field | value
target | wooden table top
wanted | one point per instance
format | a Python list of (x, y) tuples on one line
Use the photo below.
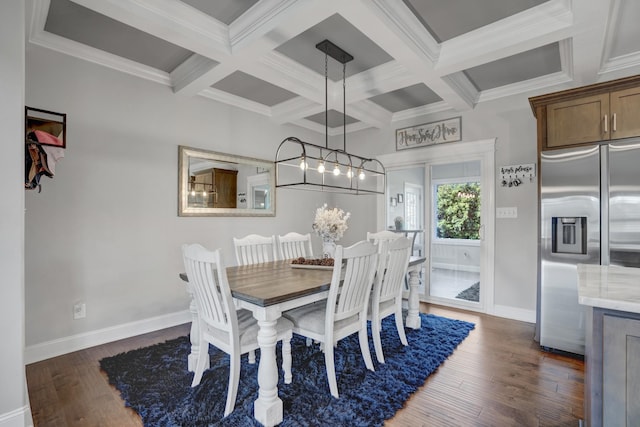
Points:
[(275, 282)]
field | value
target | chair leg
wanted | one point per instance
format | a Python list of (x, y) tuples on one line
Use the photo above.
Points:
[(202, 358), (364, 347), (252, 357), (286, 358), (376, 325), (331, 370), (400, 325), (234, 379)]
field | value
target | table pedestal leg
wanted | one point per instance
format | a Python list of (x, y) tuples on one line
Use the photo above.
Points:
[(413, 316), (193, 335), (267, 409)]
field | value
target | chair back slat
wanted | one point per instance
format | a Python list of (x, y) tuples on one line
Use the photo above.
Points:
[(294, 245), (352, 297), (392, 268), (208, 281), (255, 249)]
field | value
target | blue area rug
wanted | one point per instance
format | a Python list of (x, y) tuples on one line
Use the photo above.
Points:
[(154, 381)]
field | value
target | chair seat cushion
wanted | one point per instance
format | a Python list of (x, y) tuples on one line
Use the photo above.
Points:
[(311, 318), (248, 327)]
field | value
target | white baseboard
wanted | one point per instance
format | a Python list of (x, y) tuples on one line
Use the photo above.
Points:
[(514, 313), (20, 417), (46, 350)]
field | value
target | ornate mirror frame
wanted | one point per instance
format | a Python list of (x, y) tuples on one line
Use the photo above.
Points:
[(250, 171)]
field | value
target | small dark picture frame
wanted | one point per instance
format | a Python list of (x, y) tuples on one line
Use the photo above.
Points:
[(400, 198), (45, 127)]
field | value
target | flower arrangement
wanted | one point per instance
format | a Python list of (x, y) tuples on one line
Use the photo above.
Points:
[(330, 224)]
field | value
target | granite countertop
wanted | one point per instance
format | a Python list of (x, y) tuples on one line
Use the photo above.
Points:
[(612, 287)]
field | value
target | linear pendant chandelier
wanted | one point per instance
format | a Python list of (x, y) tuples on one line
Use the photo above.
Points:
[(306, 166)]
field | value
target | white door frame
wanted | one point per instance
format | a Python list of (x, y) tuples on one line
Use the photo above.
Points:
[(482, 150)]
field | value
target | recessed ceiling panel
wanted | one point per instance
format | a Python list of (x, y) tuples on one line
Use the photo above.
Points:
[(406, 98), (447, 19), (340, 32), (225, 11), (517, 68), (626, 34), (335, 119), (75, 22), (254, 89)]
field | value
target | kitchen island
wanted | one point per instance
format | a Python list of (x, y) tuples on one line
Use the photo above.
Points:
[(612, 353)]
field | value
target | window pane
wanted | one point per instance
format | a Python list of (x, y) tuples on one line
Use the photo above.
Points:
[(458, 210)]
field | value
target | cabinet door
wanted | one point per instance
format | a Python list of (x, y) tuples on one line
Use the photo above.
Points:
[(625, 113), (226, 184), (578, 121), (620, 371)]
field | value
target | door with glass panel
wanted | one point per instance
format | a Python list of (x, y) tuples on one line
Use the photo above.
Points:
[(455, 233)]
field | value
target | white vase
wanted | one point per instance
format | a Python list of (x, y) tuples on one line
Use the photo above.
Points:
[(328, 248)]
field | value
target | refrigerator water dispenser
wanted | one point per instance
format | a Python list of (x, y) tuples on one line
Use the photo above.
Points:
[(569, 235)]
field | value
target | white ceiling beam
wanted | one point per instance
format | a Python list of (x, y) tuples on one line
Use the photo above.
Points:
[(378, 80), (236, 101), (392, 26), (589, 39), (170, 20), (370, 113), (544, 24), (294, 109)]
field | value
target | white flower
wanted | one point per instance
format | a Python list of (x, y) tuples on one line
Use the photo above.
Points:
[(330, 223)]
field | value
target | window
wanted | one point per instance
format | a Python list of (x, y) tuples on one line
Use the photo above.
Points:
[(457, 210)]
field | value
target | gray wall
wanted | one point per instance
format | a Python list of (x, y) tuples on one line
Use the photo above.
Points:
[(105, 229), (14, 410), (511, 121)]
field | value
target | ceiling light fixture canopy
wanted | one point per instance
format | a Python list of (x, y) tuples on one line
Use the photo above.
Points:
[(320, 168)]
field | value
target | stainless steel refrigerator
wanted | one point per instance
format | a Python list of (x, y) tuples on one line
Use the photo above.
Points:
[(590, 214)]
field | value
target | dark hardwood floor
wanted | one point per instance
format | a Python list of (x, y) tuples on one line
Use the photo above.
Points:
[(498, 376)]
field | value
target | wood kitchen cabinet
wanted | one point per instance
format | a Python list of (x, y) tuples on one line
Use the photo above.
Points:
[(220, 186), (585, 115), (612, 377)]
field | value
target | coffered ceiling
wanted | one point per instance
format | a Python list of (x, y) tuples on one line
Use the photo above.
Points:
[(411, 57)]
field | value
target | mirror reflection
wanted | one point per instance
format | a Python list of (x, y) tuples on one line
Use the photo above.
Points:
[(218, 184)]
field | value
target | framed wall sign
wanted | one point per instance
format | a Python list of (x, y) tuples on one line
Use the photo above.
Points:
[(449, 130), (46, 127)]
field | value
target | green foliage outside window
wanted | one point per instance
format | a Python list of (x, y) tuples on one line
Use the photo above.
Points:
[(459, 211)]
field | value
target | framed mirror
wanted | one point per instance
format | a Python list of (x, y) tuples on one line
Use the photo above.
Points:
[(218, 184)]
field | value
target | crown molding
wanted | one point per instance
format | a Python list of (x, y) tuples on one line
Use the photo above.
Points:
[(530, 85), (235, 101), (189, 28)]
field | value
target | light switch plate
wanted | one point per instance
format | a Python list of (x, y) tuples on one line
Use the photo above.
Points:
[(511, 212)]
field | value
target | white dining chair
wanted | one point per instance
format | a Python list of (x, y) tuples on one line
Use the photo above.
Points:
[(345, 310), (382, 236), (295, 245), (255, 249), (233, 331), (386, 297)]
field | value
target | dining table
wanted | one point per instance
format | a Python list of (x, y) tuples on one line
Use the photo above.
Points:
[(267, 290)]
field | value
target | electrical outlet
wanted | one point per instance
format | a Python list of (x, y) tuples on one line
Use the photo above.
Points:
[(79, 310), (507, 212)]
